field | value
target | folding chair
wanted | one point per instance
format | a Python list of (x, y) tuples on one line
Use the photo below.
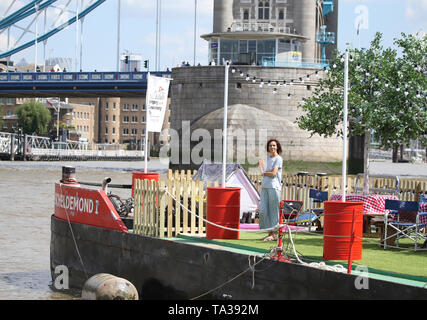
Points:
[(316, 196), (291, 210), (405, 221)]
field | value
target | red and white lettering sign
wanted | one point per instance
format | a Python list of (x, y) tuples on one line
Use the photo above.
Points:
[(86, 206)]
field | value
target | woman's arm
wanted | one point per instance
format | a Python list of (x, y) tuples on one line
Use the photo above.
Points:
[(271, 174)]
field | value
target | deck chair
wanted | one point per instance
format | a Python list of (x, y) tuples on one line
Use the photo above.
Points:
[(404, 221), (316, 196), (291, 211)]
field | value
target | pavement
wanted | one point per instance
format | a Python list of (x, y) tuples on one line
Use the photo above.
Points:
[(377, 167), (387, 167)]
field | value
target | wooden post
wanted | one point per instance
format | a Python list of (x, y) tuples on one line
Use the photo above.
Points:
[(170, 212), (201, 207), (162, 200)]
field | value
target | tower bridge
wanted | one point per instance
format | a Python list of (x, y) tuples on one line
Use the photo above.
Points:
[(75, 84)]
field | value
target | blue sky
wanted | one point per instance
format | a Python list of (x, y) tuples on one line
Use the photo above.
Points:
[(138, 29)]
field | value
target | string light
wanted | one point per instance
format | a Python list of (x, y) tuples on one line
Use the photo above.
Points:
[(316, 74)]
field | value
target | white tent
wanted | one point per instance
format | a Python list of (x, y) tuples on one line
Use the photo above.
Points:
[(236, 176)]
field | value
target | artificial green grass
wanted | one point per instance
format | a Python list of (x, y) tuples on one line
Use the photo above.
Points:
[(310, 247)]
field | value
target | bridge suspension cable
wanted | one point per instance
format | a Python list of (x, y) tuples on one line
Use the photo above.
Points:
[(32, 11)]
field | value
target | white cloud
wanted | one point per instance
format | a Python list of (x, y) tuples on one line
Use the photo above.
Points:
[(416, 12)]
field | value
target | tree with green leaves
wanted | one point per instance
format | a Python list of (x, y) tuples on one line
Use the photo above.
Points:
[(386, 96), (33, 117)]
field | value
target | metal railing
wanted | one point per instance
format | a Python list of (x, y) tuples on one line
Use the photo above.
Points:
[(240, 26)]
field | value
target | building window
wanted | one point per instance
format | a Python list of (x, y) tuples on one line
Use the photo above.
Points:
[(126, 107), (106, 106), (134, 119), (9, 101), (134, 107), (114, 106), (106, 118), (106, 131), (134, 132), (281, 14), (246, 14), (126, 119), (264, 10), (114, 130), (114, 118), (125, 132)]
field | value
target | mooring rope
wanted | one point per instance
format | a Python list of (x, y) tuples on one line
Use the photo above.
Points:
[(321, 265), (74, 238), (272, 229), (250, 268)]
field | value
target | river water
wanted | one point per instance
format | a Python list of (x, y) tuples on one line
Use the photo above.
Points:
[(27, 203)]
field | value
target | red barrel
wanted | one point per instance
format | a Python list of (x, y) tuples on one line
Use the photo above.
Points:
[(338, 228), (223, 208), (143, 176)]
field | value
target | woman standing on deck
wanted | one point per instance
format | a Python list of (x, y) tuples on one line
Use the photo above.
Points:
[(271, 188)]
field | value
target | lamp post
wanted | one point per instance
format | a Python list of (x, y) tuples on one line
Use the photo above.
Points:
[(344, 151), (224, 138)]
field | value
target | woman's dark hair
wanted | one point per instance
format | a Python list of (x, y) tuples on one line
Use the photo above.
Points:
[(279, 146)]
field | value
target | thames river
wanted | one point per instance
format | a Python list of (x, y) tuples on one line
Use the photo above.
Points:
[(27, 203)]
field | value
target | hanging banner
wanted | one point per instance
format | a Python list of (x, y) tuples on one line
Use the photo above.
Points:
[(156, 101)]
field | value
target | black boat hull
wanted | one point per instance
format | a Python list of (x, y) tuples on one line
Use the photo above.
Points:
[(169, 269)]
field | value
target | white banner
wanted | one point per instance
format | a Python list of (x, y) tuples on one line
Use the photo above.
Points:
[(156, 101)]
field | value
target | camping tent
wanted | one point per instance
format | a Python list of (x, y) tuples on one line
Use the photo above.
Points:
[(235, 176)]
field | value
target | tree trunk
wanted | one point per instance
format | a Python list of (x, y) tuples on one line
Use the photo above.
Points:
[(395, 153), (367, 144)]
